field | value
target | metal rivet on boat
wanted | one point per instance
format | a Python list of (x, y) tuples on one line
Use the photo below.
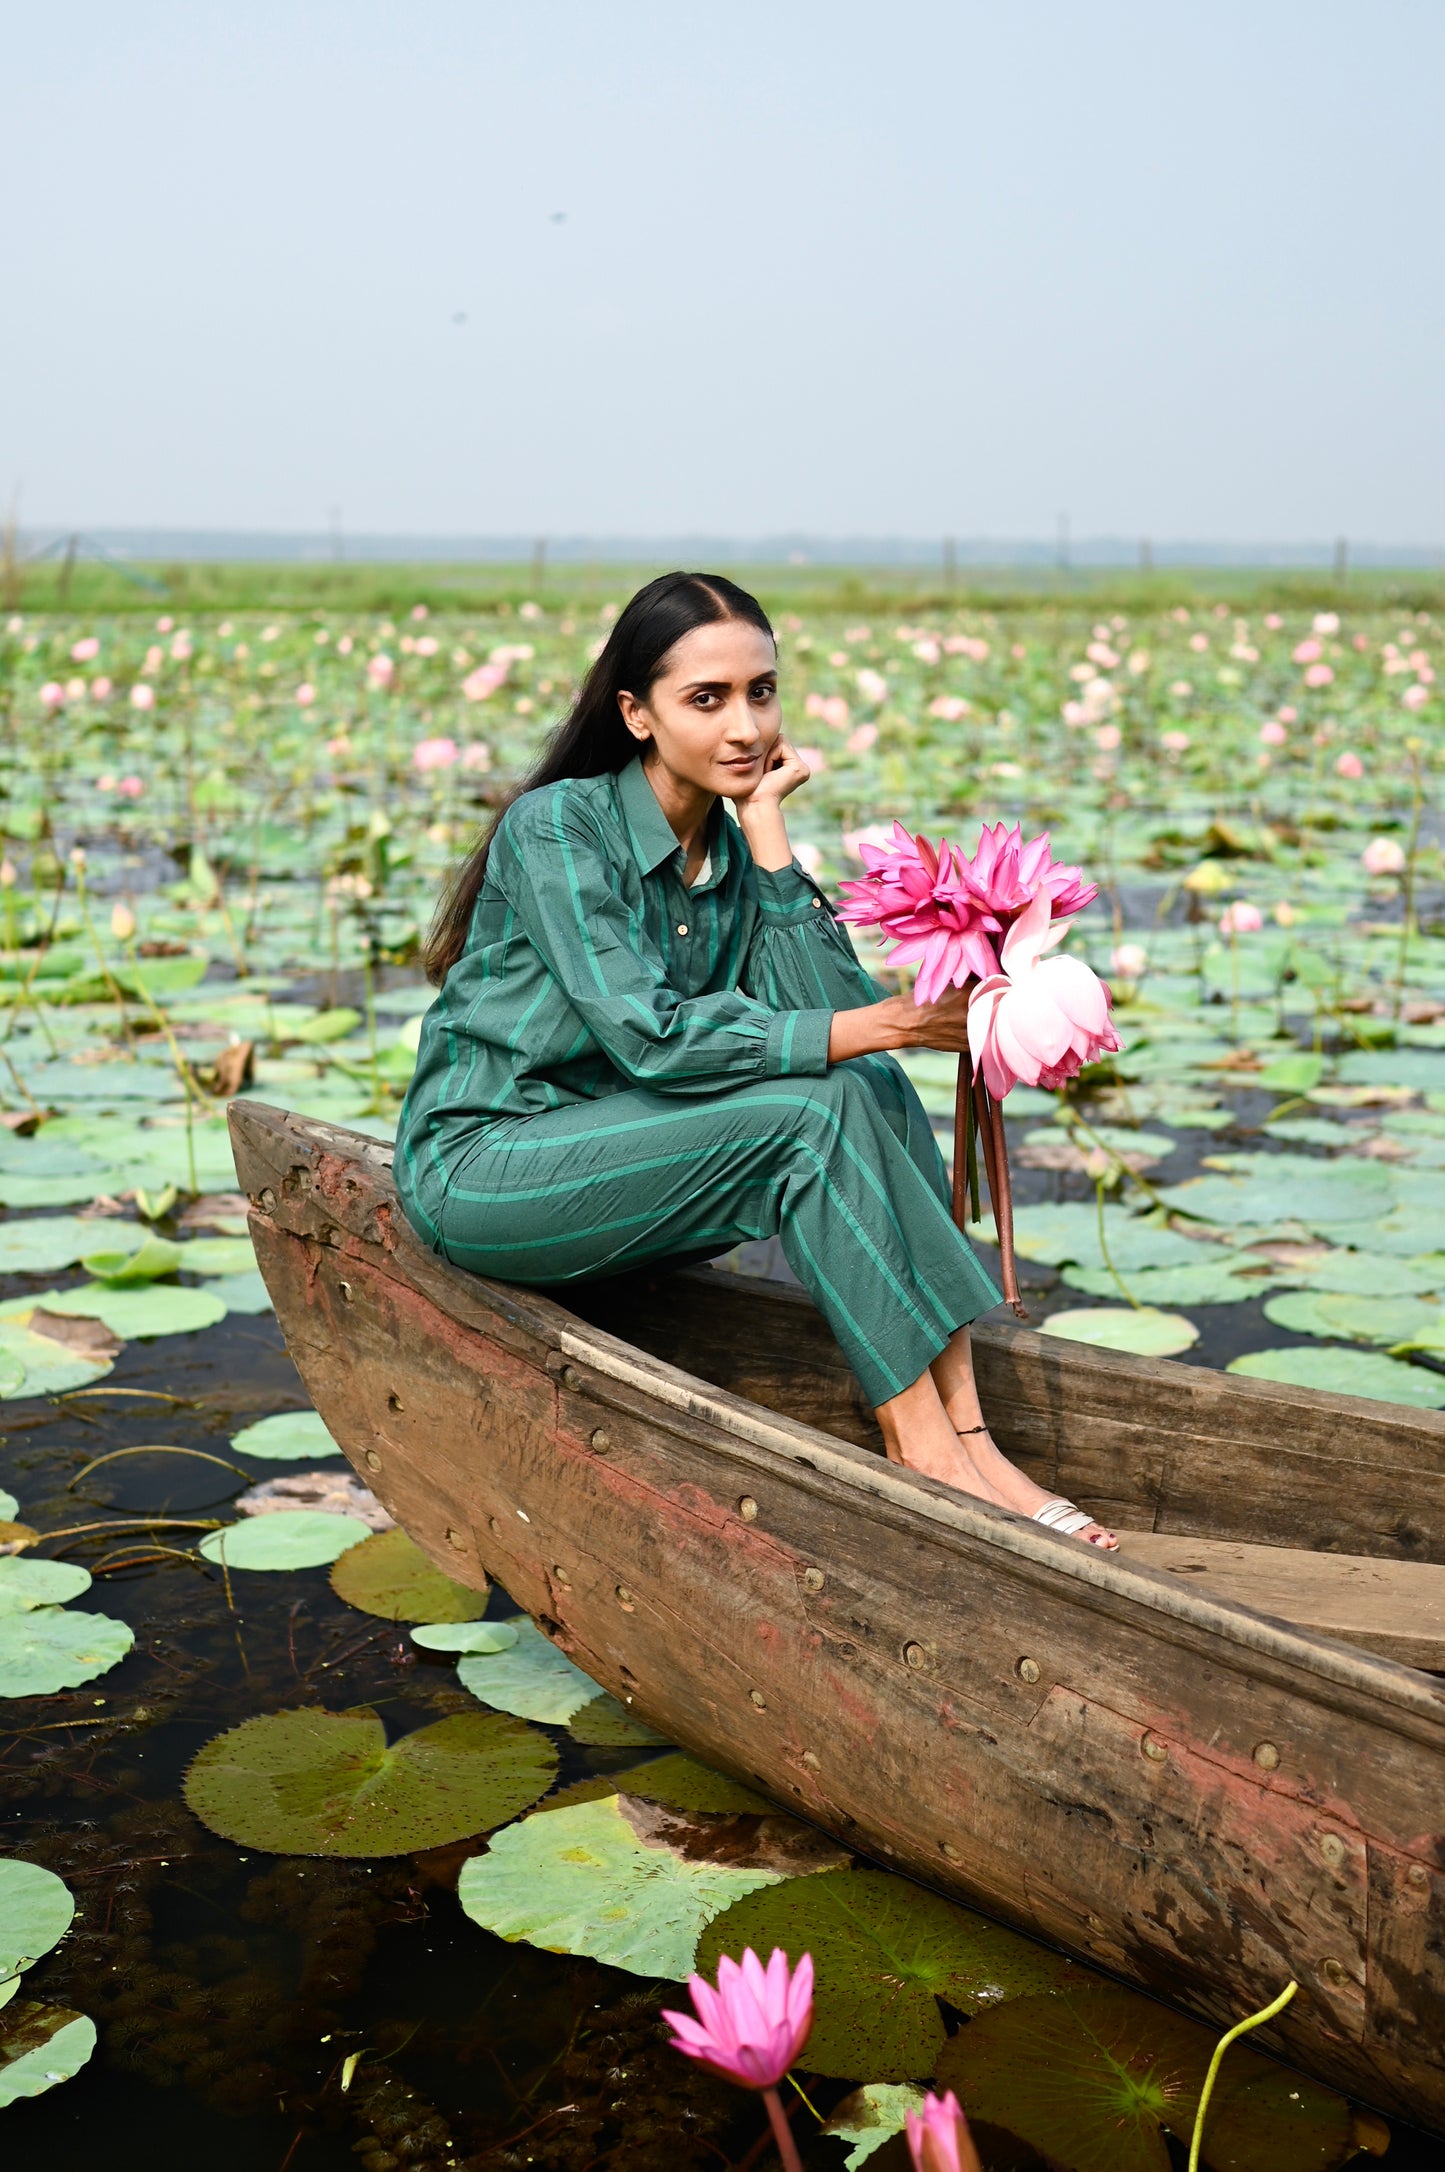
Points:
[(267, 1199), (524, 1516), (394, 1402), (1154, 1748), (494, 1524), (1418, 1874), (345, 1289), (560, 1576), (758, 1699), (915, 1656), (748, 1509), (571, 1378), (602, 1440), (1095, 1923), (814, 1764), (373, 1460), (1029, 1670), (813, 1579), (946, 1847), (1336, 1972), (1332, 1848), (624, 1598), (456, 1538), (1266, 1756)]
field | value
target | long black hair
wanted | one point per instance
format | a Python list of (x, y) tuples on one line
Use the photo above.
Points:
[(593, 739)]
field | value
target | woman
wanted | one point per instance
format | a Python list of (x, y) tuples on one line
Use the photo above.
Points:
[(653, 1040)]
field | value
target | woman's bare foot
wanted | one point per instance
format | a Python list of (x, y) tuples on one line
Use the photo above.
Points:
[(952, 1375)]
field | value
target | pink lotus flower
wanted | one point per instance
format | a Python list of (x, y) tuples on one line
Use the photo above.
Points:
[(1273, 734), (434, 754), (1174, 742), (52, 694), (481, 684), (1382, 856), (1041, 1019), (427, 645), (951, 707), (1415, 697), (305, 694), (834, 711), (859, 741), (101, 689), (142, 696), (338, 746), (75, 689), (420, 611), (872, 685), (1309, 652), (752, 2027), (381, 672), (813, 758), (130, 788), (83, 651), (1107, 738), (938, 2137), (1287, 715), (1349, 765), (1320, 675), (1241, 918), (1131, 960), (1326, 622), (181, 648), (477, 755)]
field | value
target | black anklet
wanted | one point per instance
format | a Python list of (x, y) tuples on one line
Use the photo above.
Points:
[(963, 1431)]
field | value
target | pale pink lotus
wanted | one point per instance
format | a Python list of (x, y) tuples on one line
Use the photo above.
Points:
[(481, 684), (75, 689), (1382, 856), (1349, 765), (813, 759), (83, 652), (1241, 918), (1041, 1019), (1309, 652), (305, 694), (872, 685), (951, 707), (1287, 715), (130, 788), (752, 2027), (434, 754), (142, 696), (101, 689), (860, 740), (477, 755), (1415, 697), (938, 2136), (52, 694), (381, 672), (1129, 960), (1273, 734), (1320, 675), (1174, 742)]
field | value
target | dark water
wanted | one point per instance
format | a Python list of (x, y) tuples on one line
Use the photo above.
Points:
[(229, 1988)]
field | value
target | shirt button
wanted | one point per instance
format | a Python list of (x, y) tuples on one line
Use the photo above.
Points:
[(817, 901), (682, 927)]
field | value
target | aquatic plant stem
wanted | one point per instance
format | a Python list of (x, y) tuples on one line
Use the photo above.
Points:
[(1241, 2028), (782, 2132), (1407, 880), (1124, 1290)]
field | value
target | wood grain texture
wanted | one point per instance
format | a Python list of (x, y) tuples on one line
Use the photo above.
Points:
[(1165, 1782)]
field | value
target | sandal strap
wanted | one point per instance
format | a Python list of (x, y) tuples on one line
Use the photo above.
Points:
[(1063, 1516)]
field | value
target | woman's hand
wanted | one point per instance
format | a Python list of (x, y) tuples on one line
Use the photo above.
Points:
[(899, 1022), (943, 1024), (783, 772)]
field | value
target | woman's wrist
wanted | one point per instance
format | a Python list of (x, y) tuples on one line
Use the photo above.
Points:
[(871, 1030), (767, 835)]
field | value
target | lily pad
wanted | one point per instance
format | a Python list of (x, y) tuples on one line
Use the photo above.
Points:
[(26, 1582), (9, 1507), (1351, 1317), (1404, 1233), (871, 2116), (677, 1781), (326, 1783), (292, 1436), (390, 1575), (53, 1647), (531, 1678), (288, 1538), (1143, 1332), (606, 1723), (36, 1909), (43, 1244), (1094, 2080), (143, 1262), (580, 1880), (885, 1951), (1230, 1279), (242, 1293), (1070, 1232), (465, 1636), (1375, 1274), (135, 1313), (39, 2046), (1346, 1372), (217, 1256)]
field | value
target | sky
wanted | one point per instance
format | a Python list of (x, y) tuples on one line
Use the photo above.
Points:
[(647, 267)]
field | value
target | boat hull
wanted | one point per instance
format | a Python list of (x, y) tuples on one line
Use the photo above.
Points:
[(1200, 1800)]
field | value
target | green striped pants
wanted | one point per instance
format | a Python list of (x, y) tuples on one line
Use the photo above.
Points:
[(843, 1168)]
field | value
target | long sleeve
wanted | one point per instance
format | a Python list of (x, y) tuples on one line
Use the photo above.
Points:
[(569, 900), (800, 956)]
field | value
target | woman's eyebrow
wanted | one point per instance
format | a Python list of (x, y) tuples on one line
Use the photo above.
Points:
[(722, 686)]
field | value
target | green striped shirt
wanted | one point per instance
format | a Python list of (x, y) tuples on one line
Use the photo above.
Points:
[(590, 967)]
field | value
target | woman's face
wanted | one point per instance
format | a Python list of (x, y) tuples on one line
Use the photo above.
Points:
[(711, 718)]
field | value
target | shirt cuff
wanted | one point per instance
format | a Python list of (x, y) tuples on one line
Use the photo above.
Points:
[(789, 897), (798, 1044)]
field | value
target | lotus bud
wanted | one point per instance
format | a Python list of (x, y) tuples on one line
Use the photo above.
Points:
[(122, 923), (8, 875)]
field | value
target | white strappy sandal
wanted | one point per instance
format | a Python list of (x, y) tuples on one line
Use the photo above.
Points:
[(1065, 1517)]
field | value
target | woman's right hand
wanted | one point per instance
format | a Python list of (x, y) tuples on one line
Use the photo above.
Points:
[(943, 1024), (899, 1022)]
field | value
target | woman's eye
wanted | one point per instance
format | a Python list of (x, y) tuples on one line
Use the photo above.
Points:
[(765, 692)]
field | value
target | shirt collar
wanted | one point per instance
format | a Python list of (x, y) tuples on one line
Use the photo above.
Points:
[(653, 838)]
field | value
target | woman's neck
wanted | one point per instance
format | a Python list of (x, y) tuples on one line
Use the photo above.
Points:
[(688, 807)]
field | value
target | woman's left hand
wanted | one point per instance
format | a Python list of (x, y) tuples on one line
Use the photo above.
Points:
[(783, 772)]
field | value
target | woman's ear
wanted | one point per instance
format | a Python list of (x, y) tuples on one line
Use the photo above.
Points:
[(635, 717)]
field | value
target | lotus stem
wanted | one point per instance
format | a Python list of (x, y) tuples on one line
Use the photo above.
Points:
[(782, 2132), (989, 1118), (1241, 2028)]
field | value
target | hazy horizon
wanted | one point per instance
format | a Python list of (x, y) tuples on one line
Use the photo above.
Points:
[(495, 271)]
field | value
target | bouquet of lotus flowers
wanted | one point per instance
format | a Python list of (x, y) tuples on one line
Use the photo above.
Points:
[(988, 923)]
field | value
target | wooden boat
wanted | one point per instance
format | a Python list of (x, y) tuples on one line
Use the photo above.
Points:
[(1194, 1764)]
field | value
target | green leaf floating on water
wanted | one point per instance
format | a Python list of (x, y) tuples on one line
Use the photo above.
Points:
[(388, 1574), (1228, 1279), (885, 1952), (242, 1293), (32, 1364), (51, 1648), (580, 1880), (142, 1262), (1351, 1317), (1143, 1332), (26, 1582), (677, 1781), (285, 1538), (40, 2046), (465, 1636), (326, 1783), (9, 1507), (36, 1909), (1070, 1232), (606, 1723), (292, 1436), (133, 1313), (531, 1678), (216, 1256), (1373, 1274), (44, 1244), (1091, 2081), (1346, 1372), (871, 2116)]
